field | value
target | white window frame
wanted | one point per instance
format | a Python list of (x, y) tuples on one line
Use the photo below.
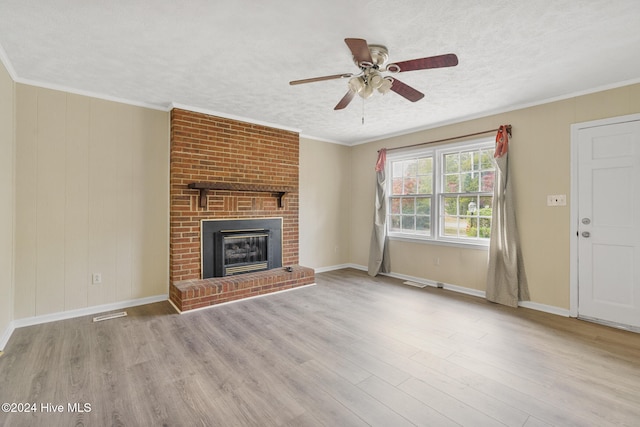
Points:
[(437, 213)]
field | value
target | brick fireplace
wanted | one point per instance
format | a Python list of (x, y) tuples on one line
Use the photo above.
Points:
[(222, 169)]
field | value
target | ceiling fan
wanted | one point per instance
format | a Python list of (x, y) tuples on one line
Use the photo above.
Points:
[(371, 59)]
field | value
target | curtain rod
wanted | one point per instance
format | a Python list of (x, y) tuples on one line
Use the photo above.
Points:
[(451, 138)]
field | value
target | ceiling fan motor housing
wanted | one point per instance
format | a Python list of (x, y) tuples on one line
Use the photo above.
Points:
[(371, 78), (379, 56)]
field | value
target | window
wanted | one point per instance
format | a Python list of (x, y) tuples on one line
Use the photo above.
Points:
[(411, 196), (442, 194)]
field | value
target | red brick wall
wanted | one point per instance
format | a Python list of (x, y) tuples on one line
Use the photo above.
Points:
[(206, 148)]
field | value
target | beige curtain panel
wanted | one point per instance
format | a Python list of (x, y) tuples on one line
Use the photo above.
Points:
[(378, 250), (506, 278)]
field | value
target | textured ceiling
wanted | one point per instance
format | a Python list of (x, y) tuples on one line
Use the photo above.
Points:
[(236, 58)]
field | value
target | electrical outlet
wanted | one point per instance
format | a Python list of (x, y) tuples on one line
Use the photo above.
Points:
[(96, 278), (557, 200)]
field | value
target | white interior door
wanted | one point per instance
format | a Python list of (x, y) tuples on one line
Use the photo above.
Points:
[(608, 230)]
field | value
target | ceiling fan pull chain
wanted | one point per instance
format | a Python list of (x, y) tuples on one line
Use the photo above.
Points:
[(362, 111)]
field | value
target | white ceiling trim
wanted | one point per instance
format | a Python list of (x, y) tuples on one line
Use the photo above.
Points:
[(238, 57), (90, 94), (12, 73), (315, 138), (501, 111), (7, 64), (17, 79)]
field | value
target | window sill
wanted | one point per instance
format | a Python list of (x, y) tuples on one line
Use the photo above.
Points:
[(463, 245)]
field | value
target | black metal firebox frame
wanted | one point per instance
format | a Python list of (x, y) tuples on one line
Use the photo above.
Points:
[(213, 232)]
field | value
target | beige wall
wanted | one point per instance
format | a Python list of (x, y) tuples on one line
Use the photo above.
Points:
[(325, 183), (540, 161), (91, 197), (7, 145), (86, 183)]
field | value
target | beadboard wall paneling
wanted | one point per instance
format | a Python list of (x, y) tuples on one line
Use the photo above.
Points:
[(91, 197)]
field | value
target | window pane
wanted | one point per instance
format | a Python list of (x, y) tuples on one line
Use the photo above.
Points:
[(466, 162), (408, 206), (472, 228), (484, 231), (469, 182), (450, 205), (425, 184), (425, 166), (484, 220), (468, 206), (394, 205), (451, 163), (463, 225), (450, 226), (423, 206), (485, 203), (394, 224), (408, 223), (409, 186), (410, 168), (452, 183), (476, 160), (396, 169), (423, 224), (396, 186), (486, 160), (486, 180)]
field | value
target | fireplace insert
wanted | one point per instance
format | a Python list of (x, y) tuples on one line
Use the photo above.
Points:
[(231, 247), (243, 251)]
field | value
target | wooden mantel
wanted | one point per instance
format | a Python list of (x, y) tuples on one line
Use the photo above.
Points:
[(204, 188)]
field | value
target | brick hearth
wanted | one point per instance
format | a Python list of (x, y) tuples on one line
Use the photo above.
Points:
[(190, 294), (206, 148)]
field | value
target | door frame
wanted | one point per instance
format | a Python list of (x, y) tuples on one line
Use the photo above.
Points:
[(573, 247)]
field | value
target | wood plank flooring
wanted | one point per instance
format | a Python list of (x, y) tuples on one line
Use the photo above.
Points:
[(350, 351)]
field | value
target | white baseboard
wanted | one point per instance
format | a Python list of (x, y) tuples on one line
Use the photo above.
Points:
[(546, 308), (4, 338), (460, 289), (19, 323), (331, 268), (46, 318), (357, 267)]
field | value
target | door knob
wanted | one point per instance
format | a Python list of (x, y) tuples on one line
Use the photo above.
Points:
[(586, 234), (586, 221)]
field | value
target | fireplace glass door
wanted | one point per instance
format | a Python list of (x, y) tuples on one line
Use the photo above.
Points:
[(245, 252)]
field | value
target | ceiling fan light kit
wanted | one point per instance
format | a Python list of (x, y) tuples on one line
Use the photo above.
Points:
[(370, 59), (366, 84)]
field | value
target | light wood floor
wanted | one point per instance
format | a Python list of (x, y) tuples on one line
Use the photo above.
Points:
[(350, 351)]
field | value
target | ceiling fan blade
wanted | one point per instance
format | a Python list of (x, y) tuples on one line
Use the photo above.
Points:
[(360, 50), (440, 61), (406, 91), (319, 79), (346, 99)]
